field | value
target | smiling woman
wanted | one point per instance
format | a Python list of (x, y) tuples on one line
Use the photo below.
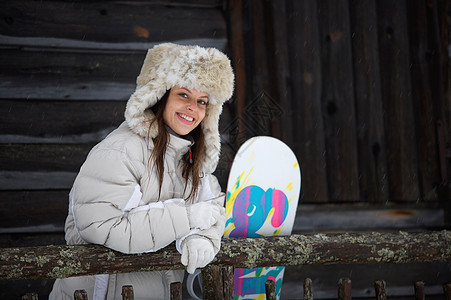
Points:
[(185, 109), (149, 183)]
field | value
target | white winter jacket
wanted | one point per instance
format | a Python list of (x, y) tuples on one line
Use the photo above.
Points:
[(114, 202)]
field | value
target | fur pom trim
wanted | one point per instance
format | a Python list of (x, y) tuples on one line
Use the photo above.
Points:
[(166, 65)]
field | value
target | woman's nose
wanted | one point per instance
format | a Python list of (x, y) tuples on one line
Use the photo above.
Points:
[(192, 105)]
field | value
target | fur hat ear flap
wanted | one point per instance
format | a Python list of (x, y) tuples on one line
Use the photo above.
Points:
[(210, 127), (167, 65), (138, 114)]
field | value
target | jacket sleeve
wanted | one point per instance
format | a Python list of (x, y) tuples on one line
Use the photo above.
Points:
[(210, 191), (103, 190)]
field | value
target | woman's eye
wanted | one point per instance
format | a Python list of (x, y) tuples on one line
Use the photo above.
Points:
[(202, 102), (183, 95)]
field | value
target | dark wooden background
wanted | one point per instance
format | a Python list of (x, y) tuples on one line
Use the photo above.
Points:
[(358, 89)]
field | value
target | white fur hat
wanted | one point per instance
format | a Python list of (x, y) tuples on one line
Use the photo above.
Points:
[(166, 65)]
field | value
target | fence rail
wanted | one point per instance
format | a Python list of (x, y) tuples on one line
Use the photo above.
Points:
[(349, 248)]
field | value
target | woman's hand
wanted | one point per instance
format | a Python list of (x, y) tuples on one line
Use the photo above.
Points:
[(203, 215), (197, 252)]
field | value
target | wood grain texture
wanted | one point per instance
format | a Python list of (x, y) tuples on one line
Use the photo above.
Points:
[(427, 93), (361, 248), (43, 157), (58, 121), (44, 210), (112, 22), (298, 65), (399, 122), (337, 100), (368, 101)]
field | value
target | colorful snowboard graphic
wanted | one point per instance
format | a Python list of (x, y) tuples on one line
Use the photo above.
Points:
[(262, 197)]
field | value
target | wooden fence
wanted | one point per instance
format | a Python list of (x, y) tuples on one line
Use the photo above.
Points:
[(343, 291), (356, 248)]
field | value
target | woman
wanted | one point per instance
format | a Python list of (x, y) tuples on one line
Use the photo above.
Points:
[(149, 182)]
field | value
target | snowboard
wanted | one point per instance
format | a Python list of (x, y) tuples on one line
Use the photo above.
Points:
[(262, 197)]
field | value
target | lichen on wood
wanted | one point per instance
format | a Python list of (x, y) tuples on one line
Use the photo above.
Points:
[(348, 248)]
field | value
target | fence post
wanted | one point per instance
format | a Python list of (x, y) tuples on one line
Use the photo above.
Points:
[(344, 289), (447, 291), (217, 282), (80, 295), (308, 294), (227, 277), (419, 290), (127, 292), (270, 288), (379, 287), (176, 291), (30, 296)]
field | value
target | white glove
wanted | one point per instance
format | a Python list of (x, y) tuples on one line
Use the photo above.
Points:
[(197, 253), (203, 215)]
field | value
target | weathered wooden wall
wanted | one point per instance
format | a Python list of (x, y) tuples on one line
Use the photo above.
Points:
[(356, 88), (66, 71)]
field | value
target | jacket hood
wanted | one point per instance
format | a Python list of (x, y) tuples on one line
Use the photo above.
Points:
[(166, 65)]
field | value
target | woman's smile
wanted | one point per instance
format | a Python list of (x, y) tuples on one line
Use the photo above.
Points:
[(185, 118)]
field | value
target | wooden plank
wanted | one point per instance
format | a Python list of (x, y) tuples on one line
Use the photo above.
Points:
[(270, 289), (337, 99), (441, 19), (31, 296), (58, 121), (176, 291), (299, 66), (447, 291), (264, 109), (212, 282), (419, 290), (362, 248), (120, 66), (237, 38), (227, 279), (397, 99), (43, 157), (31, 239), (28, 209), (281, 67), (344, 289), (369, 111), (60, 43), (186, 3), (308, 289), (15, 289), (127, 292), (380, 289), (426, 78), (80, 295), (311, 218), (34, 180), (55, 87), (133, 22)]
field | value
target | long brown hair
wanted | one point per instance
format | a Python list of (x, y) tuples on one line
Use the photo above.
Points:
[(160, 142)]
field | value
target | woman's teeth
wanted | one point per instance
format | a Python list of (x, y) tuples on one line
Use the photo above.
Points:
[(186, 117)]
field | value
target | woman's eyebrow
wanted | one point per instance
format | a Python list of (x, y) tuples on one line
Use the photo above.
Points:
[(185, 89)]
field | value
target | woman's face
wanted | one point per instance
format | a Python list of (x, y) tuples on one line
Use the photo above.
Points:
[(185, 109)]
